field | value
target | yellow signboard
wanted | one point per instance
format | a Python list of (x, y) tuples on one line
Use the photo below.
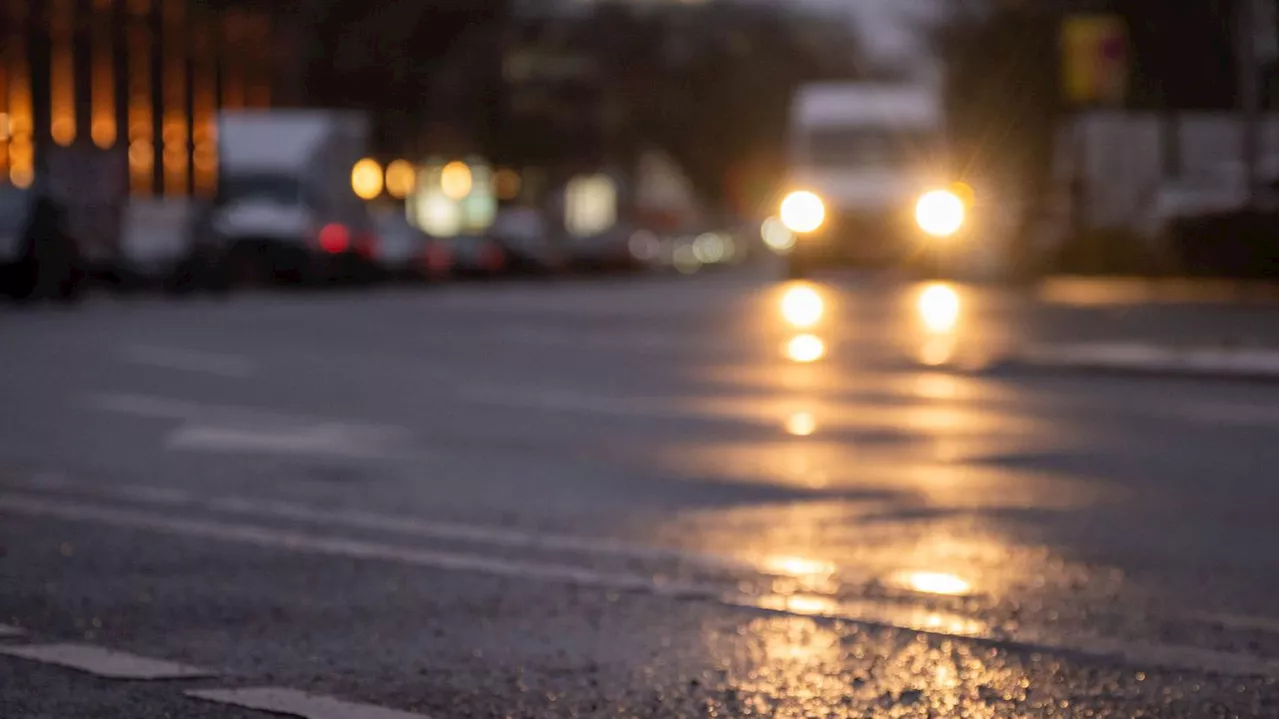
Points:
[(1095, 60)]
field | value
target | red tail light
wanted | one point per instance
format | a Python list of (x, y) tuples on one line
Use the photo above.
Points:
[(334, 238)]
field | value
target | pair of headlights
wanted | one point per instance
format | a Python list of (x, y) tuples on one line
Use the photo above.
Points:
[(939, 213)]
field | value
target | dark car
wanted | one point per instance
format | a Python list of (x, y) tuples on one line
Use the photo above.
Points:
[(38, 257)]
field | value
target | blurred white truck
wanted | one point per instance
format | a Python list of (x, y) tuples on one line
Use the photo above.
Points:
[(872, 161), (285, 208)]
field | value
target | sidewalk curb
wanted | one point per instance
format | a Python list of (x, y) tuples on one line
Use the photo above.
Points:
[(1254, 365)]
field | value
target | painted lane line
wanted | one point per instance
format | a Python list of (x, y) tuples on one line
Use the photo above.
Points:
[(1238, 622), (1153, 358), (311, 441), (104, 662), (296, 703), (154, 407), (871, 613), (7, 632), (230, 366), (393, 524), (226, 428), (303, 542)]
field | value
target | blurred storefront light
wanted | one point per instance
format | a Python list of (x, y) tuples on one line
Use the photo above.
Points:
[(366, 179), (400, 178), (479, 207), (437, 215), (506, 184), (710, 248), (591, 205), (776, 236), (455, 180), (684, 259)]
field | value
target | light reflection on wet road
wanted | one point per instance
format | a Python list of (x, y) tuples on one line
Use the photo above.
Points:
[(782, 490)]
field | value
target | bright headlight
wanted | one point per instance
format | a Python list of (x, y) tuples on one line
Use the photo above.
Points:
[(940, 213), (802, 211)]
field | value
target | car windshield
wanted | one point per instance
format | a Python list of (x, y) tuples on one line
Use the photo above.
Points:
[(863, 146)]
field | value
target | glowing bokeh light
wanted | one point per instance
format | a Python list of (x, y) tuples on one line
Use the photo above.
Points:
[(455, 180), (802, 211), (776, 236), (940, 213), (401, 178), (932, 582), (801, 424), (366, 179), (802, 306), (806, 348), (939, 307)]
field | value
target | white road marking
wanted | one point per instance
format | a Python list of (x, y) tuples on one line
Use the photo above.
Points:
[(303, 542), (629, 341), (316, 441), (570, 401), (390, 524), (233, 366), (104, 662), (7, 631), (1236, 621), (296, 703), (878, 613), (153, 407), (1152, 358), (227, 428)]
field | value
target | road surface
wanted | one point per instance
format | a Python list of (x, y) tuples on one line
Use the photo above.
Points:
[(631, 497)]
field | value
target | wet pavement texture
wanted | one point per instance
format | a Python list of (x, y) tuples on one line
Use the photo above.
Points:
[(722, 496)]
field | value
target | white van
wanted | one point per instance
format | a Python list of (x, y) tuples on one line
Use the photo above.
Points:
[(871, 163)]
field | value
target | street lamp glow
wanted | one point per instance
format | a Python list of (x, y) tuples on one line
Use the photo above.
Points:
[(802, 211), (940, 213)]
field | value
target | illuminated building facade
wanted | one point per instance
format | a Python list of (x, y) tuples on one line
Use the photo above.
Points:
[(140, 77)]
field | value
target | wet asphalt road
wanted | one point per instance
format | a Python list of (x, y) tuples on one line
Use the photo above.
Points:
[(631, 498)]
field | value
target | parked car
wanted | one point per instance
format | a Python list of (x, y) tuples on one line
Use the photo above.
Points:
[(286, 208), (523, 234), (476, 256), (406, 253), (38, 257)]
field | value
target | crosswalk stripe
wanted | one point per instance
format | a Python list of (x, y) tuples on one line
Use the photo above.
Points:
[(104, 662), (8, 631), (297, 703)]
